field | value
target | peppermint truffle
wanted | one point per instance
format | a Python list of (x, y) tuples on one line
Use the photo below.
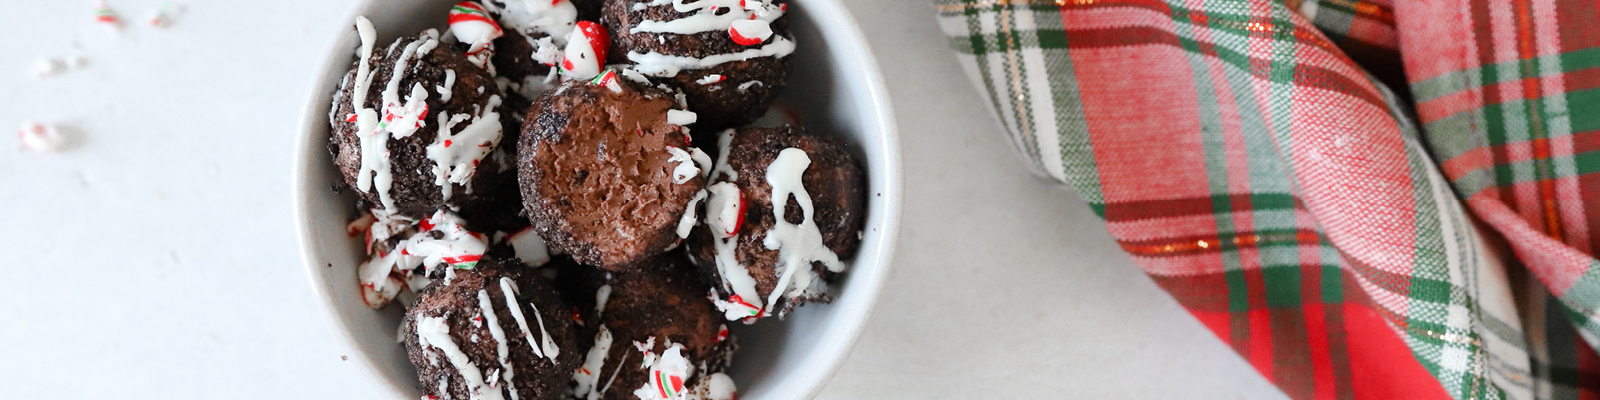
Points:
[(744, 246), (728, 58), (655, 318), (417, 128), (496, 328), (607, 173)]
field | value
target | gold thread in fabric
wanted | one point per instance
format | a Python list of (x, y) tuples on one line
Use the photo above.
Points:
[(1188, 245), (1014, 67)]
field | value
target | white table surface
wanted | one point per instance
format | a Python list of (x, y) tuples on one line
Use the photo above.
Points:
[(157, 259)]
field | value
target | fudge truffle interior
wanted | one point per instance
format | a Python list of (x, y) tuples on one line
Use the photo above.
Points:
[(610, 167)]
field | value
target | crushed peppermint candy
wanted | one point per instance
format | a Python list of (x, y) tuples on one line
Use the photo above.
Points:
[(750, 32), (681, 117), (586, 51), (471, 24), (440, 241), (710, 79), (607, 79), (736, 307), (49, 67), (105, 16), (41, 138), (667, 376), (163, 17), (686, 169), (529, 247)]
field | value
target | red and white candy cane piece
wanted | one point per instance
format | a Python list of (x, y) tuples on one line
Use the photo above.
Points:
[(40, 138), (668, 373), (746, 306), (586, 51), (608, 79), (668, 385), (162, 17), (376, 297), (710, 79), (750, 32), (104, 15), (360, 225), (472, 24)]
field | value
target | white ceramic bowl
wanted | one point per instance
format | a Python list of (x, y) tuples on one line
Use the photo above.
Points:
[(837, 89)]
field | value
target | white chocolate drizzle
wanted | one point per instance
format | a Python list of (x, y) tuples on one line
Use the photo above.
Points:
[(549, 350), (687, 222), (373, 133), (662, 65), (456, 155), (367, 119), (797, 245), (434, 332), (601, 296), (722, 209), (587, 377), (555, 18), (743, 87), (725, 143), (486, 307), (614, 373), (706, 17), (447, 90), (735, 276)]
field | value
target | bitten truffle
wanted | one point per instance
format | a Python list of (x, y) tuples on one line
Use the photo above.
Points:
[(607, 174)]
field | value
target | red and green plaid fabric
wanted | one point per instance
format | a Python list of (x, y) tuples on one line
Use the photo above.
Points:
[(1246, 160)]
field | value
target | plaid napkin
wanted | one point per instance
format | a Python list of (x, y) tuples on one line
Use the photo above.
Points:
[(1349, 241)]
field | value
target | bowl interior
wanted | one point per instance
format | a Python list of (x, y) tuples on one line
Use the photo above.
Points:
[(835, 88)]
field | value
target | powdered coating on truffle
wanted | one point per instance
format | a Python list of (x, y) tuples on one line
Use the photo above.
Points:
[(458, 303), (595, 173), (837, 185)]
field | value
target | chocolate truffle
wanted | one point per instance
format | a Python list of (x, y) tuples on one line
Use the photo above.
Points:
[(743, 245), (729, 79), (607, 172), (646, 319), (486, 327), (387, 139)]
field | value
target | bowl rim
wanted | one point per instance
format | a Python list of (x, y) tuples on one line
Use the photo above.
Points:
[(844, 36)]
